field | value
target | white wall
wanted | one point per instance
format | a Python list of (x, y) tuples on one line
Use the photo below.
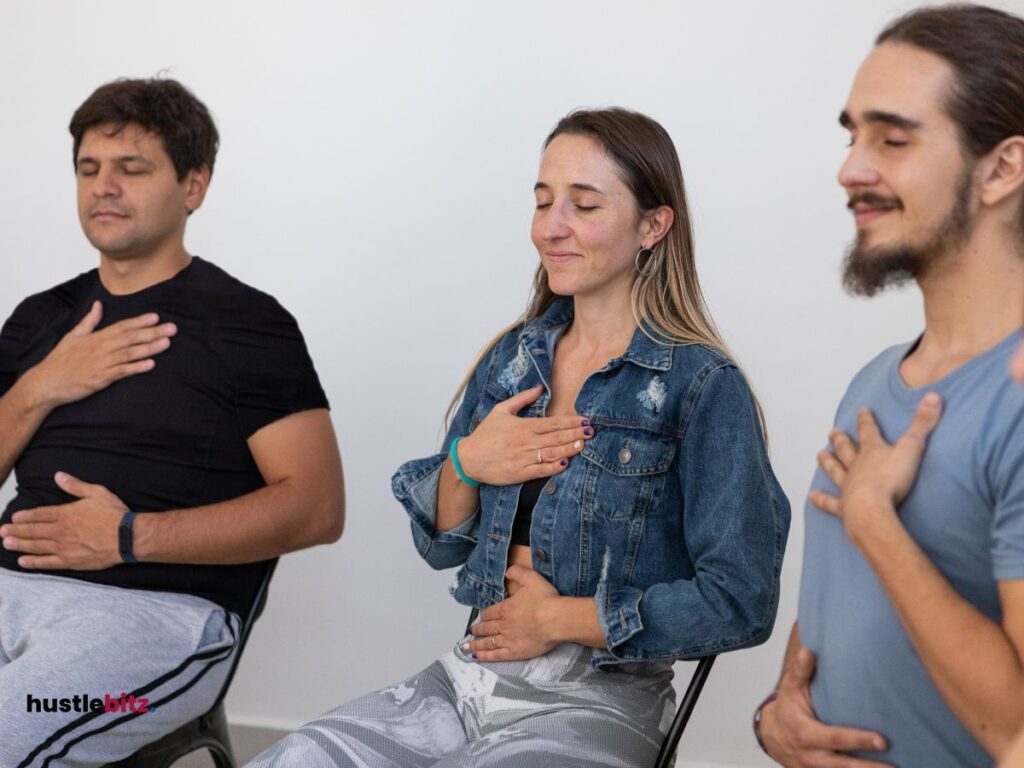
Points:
[(376, 176)]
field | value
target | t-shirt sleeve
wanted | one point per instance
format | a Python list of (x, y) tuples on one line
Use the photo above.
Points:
[(19, 340), (271, 370), (1006, 478)]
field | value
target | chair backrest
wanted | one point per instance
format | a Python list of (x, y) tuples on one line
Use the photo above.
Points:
[(258, 603)]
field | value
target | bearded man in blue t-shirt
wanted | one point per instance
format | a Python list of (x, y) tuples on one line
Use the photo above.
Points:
[(908, 645)]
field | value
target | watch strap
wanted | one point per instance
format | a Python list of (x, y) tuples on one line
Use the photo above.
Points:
[(125, 543)]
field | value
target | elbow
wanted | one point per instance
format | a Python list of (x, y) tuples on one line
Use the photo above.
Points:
[(333, 517), (748, 613), (328, 522), (1001, 735)]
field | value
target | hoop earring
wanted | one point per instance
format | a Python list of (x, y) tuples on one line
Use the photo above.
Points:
[(648, 254)]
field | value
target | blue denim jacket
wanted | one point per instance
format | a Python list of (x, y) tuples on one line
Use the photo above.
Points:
[(671, 518)]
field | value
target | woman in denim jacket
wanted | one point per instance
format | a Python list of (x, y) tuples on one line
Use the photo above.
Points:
[(604, 486)]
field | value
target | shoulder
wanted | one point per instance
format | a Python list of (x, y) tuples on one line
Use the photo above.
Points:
[(697, 368), (226, 295), (52, 306), (880, 366)]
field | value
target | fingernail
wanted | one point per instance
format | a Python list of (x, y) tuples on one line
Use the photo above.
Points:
[(588, 432), (62, 477), (585, 423), (564, 462), (465, 647), (578, 444), (473, 656), (931, 399)]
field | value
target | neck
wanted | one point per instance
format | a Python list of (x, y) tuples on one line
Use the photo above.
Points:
[(123, 275), (973, 297), (602, 326)]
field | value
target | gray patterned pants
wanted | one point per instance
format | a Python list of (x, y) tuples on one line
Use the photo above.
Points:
[(553, 711)]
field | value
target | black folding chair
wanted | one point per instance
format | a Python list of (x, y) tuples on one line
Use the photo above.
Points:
[(668, 747), (683, 712), (209, 731)]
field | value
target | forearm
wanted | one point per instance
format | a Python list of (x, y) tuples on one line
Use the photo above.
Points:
[(574, 620), (792, 647), (969, 657), (22, 411), (268, 522), (456, 501)]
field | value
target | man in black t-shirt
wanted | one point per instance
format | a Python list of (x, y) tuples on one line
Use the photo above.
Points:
[(169, 436)]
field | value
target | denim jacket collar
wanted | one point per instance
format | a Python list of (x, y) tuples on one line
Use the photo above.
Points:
[(642, 350)]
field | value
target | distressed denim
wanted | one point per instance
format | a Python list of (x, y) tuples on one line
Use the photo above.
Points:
[(671, 518)]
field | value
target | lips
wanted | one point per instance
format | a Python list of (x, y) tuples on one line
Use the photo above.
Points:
[(561, 257), (865, 214), (108, 214)]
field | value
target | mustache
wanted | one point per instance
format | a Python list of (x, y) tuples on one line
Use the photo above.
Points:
[(875, 200)]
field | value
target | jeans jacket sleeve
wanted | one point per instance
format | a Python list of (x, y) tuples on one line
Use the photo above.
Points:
[(735, 522), (415, 487)]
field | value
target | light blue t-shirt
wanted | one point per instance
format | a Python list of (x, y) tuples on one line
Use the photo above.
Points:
[(966, 512)]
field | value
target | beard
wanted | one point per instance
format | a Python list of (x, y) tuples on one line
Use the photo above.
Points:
[(866, 271)]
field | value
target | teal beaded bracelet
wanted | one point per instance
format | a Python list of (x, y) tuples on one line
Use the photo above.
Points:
[(458, 467)]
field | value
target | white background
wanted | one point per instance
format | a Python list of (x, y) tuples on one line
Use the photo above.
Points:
[(376, 176)]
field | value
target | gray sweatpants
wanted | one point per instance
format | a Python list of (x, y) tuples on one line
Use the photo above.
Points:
[(70, 649), (550, 711)]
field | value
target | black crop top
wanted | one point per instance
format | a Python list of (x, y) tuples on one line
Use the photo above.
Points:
[(528, 496)]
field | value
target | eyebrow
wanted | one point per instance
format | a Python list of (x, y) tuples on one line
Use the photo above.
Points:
[(879, 116), (581, 187)]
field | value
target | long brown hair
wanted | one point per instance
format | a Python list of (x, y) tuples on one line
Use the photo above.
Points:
[(985, 48), (667, 301)]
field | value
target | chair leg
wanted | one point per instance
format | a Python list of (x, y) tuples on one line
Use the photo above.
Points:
[(220, 743), (222, 756), (667, 753)]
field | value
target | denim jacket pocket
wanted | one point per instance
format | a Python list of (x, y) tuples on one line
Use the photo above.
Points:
[(625, 471)]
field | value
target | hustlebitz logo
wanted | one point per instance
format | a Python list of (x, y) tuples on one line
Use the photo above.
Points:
[(83, 702)]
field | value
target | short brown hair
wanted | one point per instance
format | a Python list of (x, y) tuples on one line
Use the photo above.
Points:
[(163, 106)]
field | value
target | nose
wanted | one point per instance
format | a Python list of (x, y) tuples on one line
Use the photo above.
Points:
[(104, 183), (551, 223), (858, 170)]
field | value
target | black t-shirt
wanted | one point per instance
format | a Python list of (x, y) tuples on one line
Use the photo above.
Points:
[(174, 437)]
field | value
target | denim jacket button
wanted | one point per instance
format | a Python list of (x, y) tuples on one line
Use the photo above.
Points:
[(542, 556), (550, 487), (625, 456)]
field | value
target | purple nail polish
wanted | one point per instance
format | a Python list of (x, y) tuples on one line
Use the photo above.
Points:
[(588, 432), (473, 655), (564, 463), (585, 423)]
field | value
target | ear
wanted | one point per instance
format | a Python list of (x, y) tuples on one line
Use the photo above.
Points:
[(655, 224), (196, 182), (1002, 171)]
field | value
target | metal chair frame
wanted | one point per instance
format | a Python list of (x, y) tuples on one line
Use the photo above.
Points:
[(667, 753), (210, 730)]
